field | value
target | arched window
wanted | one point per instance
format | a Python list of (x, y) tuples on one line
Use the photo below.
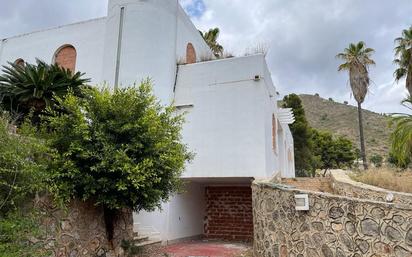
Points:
[(190, 53), (65, 57), (19, 62)]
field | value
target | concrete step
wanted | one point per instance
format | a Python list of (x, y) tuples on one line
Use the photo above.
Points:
[(139, 239), (150, 242)]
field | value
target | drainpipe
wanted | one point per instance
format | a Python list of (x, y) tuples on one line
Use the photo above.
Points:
[(119, 48)]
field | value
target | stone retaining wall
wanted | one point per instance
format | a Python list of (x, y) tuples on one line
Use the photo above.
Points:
[(342, 184), (80, 230), (334, 226)]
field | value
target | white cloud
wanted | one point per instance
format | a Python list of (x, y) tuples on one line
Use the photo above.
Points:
[(303, 36)]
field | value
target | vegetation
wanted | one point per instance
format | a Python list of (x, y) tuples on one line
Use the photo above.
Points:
[(401, 148), (17, 231), (22, 164), (357, 58), (33, 87), (21, 167), (377, 160), (120, 149), (386, 178), (302, 136), (315, 149), (211, 37), (403, 58), (338, 119), (332, 152)]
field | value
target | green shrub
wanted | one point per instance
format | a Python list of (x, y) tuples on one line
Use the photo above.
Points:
[(18, 235), (22, 166), (120, 149), (377, 160)]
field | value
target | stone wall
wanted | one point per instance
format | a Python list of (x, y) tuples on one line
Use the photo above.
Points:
[(334, 226), (229, 213), (343, 185), (80, 230)]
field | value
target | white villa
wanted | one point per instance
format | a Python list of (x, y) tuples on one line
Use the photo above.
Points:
[(233, 123)]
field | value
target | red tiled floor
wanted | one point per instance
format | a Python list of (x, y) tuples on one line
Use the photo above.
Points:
[(206, 249)]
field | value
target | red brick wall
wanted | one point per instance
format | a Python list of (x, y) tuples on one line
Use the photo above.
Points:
[(229, 213), (66, 58)]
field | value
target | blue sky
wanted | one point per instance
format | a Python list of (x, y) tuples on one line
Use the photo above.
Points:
[(302, 37), (195, 8)]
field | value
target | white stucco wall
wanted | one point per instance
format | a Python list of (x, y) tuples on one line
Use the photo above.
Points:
[(87, 37), (154, 37), (181, 217), (228, 113), (228, 117), (187, 32)]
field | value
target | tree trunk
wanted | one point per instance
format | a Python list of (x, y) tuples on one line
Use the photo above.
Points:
[(408, 81), (109, 220), (362, 138)]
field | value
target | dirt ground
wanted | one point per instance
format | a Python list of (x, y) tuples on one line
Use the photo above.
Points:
[(201, 248)]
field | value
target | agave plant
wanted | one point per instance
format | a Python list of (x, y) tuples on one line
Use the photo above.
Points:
[(401, 137), (33, 87), (357, 58)]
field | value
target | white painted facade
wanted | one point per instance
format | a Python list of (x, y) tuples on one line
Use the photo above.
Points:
[(228, 103)]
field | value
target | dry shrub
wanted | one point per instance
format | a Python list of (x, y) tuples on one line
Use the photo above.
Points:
[(387, 178)]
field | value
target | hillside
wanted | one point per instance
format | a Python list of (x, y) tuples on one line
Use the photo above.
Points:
[(342, 119)]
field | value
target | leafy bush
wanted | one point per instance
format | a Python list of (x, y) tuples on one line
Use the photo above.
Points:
[(332, 152), (120, 149), (22, 166), (18, 233), (377, 160)]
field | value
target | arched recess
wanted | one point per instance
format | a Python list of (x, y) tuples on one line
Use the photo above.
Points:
[(190, 53), (274, 133), (19, 62), (65, 57)]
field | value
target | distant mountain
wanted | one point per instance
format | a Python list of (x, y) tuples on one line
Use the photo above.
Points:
[(342, 119)]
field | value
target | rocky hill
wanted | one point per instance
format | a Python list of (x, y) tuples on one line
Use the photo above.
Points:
[(342, 119)]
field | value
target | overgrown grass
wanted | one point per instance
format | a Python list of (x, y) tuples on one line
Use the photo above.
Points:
[(387, 178)]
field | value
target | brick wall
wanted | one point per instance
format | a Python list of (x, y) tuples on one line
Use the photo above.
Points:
[(66, 58), (229, 213)]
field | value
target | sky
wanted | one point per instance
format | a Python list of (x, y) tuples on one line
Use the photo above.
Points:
[(301, 37)]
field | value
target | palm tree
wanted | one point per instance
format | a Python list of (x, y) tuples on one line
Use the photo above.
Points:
[(403, 58), (211, 37), (29, 87), (357, 58), (401, 137)]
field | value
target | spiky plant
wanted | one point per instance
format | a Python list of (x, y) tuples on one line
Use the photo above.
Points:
[(401, 137), (211, 37), (403, 58), (357, 58), (33, 87)]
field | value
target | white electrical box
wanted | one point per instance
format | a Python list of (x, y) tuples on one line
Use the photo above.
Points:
[(302, 202)]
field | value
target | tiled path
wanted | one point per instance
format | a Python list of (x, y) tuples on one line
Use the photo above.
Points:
[(207, 249)]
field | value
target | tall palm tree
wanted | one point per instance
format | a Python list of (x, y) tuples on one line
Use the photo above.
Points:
[(401, 137), (403, 58), (357, 58), (33, 87), (211, 37)]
